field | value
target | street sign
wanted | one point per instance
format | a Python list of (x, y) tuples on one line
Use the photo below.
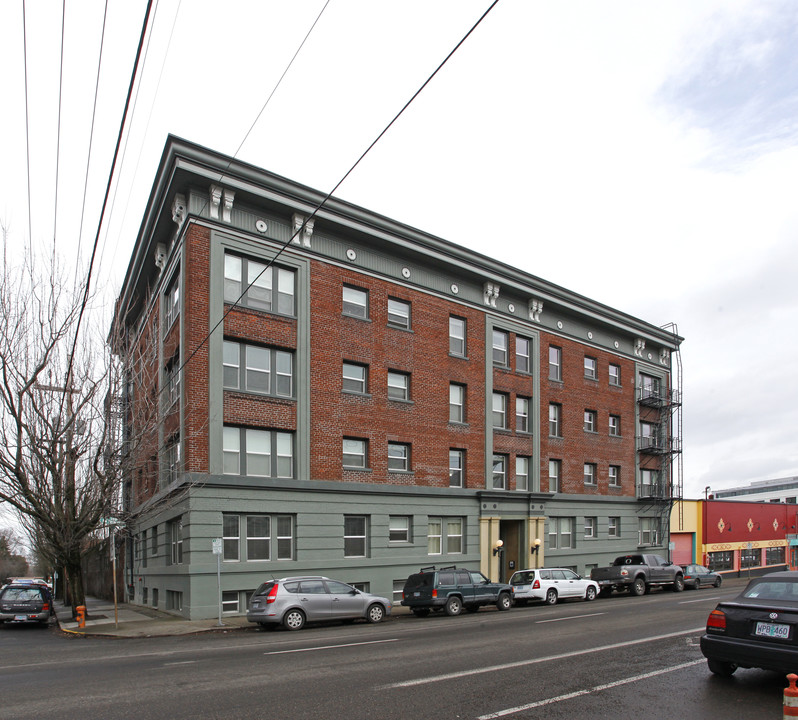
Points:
[(217, 546)]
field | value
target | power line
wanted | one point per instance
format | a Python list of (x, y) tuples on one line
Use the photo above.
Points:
[(336, 186), (27, 118), (60, 107)]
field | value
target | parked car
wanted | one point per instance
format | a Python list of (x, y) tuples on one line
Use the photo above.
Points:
[(26, 602), (551, 585), (697, 575), (757, 629), (638, 574), (293, 601), (452, 589)]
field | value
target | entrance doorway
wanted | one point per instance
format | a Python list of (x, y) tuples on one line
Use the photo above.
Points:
[(512, 556)]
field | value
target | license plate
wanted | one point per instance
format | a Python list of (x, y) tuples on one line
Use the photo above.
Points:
[(20, 617), (416, 594), (772, 630)]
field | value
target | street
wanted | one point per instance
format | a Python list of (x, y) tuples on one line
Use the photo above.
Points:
[(620, 656)]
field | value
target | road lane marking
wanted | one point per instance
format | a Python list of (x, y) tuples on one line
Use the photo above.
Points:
[(182, 662), (570, 617), (535, 661), (588, 691), (330, 647), (703, 599)]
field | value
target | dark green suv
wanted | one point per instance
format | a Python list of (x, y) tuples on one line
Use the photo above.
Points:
[(452, 589)]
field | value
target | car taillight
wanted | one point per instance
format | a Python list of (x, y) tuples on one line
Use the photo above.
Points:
[(624, 572), (434, 593), (46, 607), (536, 585), (272, 596), (716, 620)]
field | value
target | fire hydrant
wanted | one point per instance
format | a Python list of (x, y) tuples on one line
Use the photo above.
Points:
[(80, 615)]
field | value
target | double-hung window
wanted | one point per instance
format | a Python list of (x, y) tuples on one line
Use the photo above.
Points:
[(457, 336), (457, 396), (176, 541), (590, 527), (445, 534), (522, 465), (555, 420), (355, 535), (615, 425), (268, 371), (561, 533), (399, 528), (555, 363), (590, 473), (231, 538), (355, 453), (613, 527), (258, 453), (398, 385), (399, 313), (648, 533), (590, 421), (591, 368), (499, 411), (398, 457), (500, 344), (615, 375), (355, 378), (499, 472), (555, 475), (456, 467), (523, 354), (522, 414), (614, 476), (172, 304), (355, 302)]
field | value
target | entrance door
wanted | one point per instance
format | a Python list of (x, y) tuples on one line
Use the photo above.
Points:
[(511, 534)]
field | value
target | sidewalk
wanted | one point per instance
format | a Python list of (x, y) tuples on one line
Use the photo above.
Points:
[(137, 621)]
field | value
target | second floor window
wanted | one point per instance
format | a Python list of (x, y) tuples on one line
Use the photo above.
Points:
[(499, 411), (355, 378), (522, 415), (590, 421), (555, 420), (258, 453), (257, 285), (615, 425), (590, 474), (355, 453), (614, 476), (258, 369), (398, 457), (456, 467), (499, 472), (398, 385), (457, 394), (522, 473), (555, 475)]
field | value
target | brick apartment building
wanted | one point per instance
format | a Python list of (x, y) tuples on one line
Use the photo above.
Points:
[(329, 391)]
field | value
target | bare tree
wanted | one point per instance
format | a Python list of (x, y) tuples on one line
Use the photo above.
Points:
[(54, 461), (12, 562)]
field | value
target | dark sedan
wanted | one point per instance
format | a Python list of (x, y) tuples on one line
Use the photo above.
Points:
[(758, 629), (696, 576)]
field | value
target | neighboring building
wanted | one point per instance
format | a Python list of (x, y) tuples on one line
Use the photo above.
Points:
[(783, 490), (325, 390), (734, 536)]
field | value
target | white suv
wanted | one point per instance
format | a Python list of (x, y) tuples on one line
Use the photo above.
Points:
[(551, 585)]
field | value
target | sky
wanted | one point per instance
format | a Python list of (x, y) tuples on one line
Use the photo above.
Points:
[(641, 154)]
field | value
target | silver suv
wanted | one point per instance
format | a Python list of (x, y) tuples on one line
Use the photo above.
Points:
[(293, 601)]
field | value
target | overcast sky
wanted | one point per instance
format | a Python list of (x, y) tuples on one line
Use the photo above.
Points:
[(642, 154)]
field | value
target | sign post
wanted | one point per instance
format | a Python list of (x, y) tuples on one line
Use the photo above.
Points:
[(217, 550)]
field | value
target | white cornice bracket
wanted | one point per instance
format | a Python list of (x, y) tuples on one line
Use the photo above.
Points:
[(302, 235), (491, 293), (215, 201), (535, 308)]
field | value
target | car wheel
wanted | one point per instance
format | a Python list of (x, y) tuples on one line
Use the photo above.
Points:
[(375, 613), (454, 606), (590, 593), (697, 584), (421, 612), (717, 582), (724, 669), (638, 587), (678, 583), (504, 602), (551, 597), (294, 620)]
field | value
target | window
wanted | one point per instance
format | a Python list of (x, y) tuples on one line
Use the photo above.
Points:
[(445, 533), (355, 453), (590, 421), (258, 453), (523, 356), (555, 420), (399, 528), (773, 555), (649, 436), (555, 363), (522, 414), (265, 370), (355, 302), (355, 535), (561, 533), (499, 411), (555, 475), (457, 395), (648, 533), (172, 380), (615, 375), (591, 368), (649, 387), (590, 473), (176, 541), (154, 540), (457, 336), (721, 560), (230, 601), (750, 558), (649, 483), (590, 527), (456, 467), (399, 313), (614, 476), (398, 385), (613, 527), (398, 457), (268, 287), (231, 539), (355, 378), (615, 425), (499, 472), (171, 304), (521, 472), (500, 342), (172, 454)]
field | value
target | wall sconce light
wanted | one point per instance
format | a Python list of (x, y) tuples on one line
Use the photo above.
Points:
[(729, 528), (535, 546), (499, 548)]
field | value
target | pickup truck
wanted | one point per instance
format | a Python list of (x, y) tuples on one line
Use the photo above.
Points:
[(638, 574)]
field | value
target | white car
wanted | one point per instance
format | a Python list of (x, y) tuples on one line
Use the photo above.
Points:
[(551, 585)]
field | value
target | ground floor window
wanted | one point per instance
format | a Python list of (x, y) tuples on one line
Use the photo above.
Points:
[(230, 601), (561, 533), (721, 560), (750, 558), (774, 556), (648, 531), (258, 537), (174, 600), (445, 533)]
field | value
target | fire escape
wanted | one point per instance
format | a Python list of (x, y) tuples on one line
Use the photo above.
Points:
[(659, 444)]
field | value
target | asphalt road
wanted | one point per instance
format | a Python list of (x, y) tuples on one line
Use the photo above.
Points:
[(615, 657)]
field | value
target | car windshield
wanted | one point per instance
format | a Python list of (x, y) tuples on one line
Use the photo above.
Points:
[(19, 594), (419, 580), (773, 590)]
